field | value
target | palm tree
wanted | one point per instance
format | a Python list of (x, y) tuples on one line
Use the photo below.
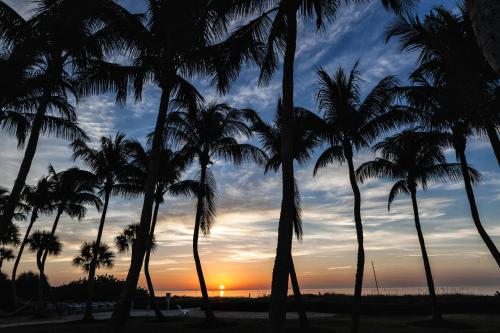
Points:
[(177, 41), (413, 159), (172, 165), (73, 190), (86, 258), (281, 35), (448, 100), (43, 243), (39, 200), (484, 15), (446, 42), (125, 241), (11, 238), (348, 125), (208, 132), (110, 166), (58, 41), (305, 140)]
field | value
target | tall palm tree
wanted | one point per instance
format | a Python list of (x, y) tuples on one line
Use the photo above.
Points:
[(39, 200), (448, 99), (58, 41), (73, 190), (413, 159), (208, 132), (43, 243), (6, 254), (110, 166), (172, 166), (281, 33), (446, 42), (305, 140), (349, 124), (176, 41), (484, 15), (86, 258)]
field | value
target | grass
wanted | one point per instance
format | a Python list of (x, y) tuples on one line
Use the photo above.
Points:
[(467, 323)]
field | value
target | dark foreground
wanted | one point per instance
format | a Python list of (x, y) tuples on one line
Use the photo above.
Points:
[(470, 323)]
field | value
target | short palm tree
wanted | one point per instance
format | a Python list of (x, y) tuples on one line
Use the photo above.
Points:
[(39, 199), (208, 132), (86, 257), (125, 240), (172, 166), (43, 243), (73, 190), (109, 164), (305, 140), (11, 238), (349, 124), (449, 100), (412, 160)]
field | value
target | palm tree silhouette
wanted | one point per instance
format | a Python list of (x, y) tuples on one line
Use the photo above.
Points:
[(209, 132), (172, 165), (446, 42), (109, 164), (73, 189), (177, 41), (305, 140), (442, 96), (125, 241), (86, 257), (348, 125), (38, 199), (58, 41), (280, 32), (413, 159), (11, 238), (43, 243)]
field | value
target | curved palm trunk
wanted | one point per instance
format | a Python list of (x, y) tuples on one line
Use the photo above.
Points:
[(356, 308), (152, 296), (494, 140), (304, 322), (279, 287), (87, 316), (209, 315), (25, 167), (52, 233), (122, 309), (436, 314), (484, 15), (34, 216), (473, 207)]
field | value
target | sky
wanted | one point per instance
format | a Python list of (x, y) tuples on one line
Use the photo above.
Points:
[(240, 250)]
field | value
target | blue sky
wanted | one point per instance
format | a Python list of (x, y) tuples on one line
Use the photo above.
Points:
[(244, 236)]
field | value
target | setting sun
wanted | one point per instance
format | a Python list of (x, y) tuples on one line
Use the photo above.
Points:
[(221, 287)]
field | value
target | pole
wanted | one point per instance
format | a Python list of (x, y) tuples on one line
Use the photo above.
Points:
[(375, 275)]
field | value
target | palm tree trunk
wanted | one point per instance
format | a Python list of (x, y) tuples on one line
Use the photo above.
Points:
[(494, 140), (473, 207), (122, 309), (436, 314), (25, 167), (34, 216), (209, 315), (87, 316), (484, 15), (41, 282), (281, 270), (358, 285), (152, 297), (52, 232), (304, 322)]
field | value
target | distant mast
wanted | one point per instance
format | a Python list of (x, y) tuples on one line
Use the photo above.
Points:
[(375, 276)]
